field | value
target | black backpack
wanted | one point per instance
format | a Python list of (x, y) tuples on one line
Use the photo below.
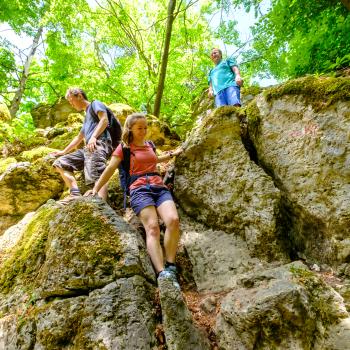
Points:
[(114, 128), (124, 170)]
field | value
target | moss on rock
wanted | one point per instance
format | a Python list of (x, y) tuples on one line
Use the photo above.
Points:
[(5, 162), (321, 296), (121, 111), (35, 153), (29, 253), (320, 92), (61, 141)]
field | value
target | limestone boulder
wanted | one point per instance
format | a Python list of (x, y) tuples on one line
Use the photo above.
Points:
[(45, 115), (217, 184), (60, 137), (26, 186), (35, 154), (179, 328), (79, 276), (218, 258), (6, 162), (283, 308), (121, 111), (160, 133), (300, 131)]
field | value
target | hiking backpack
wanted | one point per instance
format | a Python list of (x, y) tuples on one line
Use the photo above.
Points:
[(114, 128)]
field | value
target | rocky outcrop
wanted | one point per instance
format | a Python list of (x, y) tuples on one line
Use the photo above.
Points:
[(93, 285), (121, 111), (283, 308), (300, 131), (25, 186), (255, 185), (45, 115), (217, 183), (218, 258), (180, 331)]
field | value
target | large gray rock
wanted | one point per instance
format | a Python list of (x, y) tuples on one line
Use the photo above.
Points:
[(217, 183), (180, 331), (80, 277), (301, 134), (218, 258), (45, 115), (284, 308), (24, 187)]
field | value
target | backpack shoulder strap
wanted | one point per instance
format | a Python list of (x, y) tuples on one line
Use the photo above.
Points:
[(92, 111), (95, 116), (151, 143), (126, 159)]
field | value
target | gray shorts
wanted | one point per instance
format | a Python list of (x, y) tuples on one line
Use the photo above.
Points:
[(93, 163)]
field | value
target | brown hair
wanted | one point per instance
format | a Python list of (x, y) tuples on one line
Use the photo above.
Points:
[(74, 91), (129, 122)]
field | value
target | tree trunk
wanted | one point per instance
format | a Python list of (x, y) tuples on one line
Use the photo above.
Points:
[(25, 73), (346, 3), (160, 87)]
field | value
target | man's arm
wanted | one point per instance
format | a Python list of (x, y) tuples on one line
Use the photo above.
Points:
[(73, 144), (100, 128), (238, 78)]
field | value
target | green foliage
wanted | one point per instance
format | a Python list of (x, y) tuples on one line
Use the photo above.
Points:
[(114, 51), (20, 129), (296, 38)]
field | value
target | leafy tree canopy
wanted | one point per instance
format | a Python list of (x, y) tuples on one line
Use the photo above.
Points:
[(114, 49)]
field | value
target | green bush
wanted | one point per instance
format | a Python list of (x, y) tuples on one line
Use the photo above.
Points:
[(20, 129)]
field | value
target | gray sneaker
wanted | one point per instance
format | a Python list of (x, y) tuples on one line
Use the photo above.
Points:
[(171, 269), (169, 275)]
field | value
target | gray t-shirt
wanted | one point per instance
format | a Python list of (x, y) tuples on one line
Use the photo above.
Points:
[(90, 122)]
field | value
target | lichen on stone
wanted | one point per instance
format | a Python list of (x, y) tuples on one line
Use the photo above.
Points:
[(28, 253), (319, 92), (5, 162), (35, 153)]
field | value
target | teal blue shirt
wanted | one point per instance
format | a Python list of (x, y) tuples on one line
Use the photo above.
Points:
[(221, 76)]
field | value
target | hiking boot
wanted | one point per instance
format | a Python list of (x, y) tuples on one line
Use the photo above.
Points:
[(169, 275), (171, 268), (68, 199)]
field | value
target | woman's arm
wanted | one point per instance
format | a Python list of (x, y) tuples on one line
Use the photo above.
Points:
[(169, 154), (107, 174)]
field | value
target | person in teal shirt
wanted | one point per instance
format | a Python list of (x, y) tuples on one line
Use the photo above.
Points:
[(224, 80)]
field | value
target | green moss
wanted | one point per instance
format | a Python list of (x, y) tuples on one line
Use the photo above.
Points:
[(319, 92), (253, 117), (219, 114), (75, 118), (35, 153), (251, 90), (318, 294), (93, 237), (5, 162), (26, 257), (62, 141)]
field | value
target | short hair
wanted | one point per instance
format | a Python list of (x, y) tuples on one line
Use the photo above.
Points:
[(75, 91), (127, 137), (215, 48)]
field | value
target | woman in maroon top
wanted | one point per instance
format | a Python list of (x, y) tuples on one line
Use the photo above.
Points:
[(149, 196)]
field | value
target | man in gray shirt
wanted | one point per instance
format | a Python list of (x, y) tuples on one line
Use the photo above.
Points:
[(98, 146)]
